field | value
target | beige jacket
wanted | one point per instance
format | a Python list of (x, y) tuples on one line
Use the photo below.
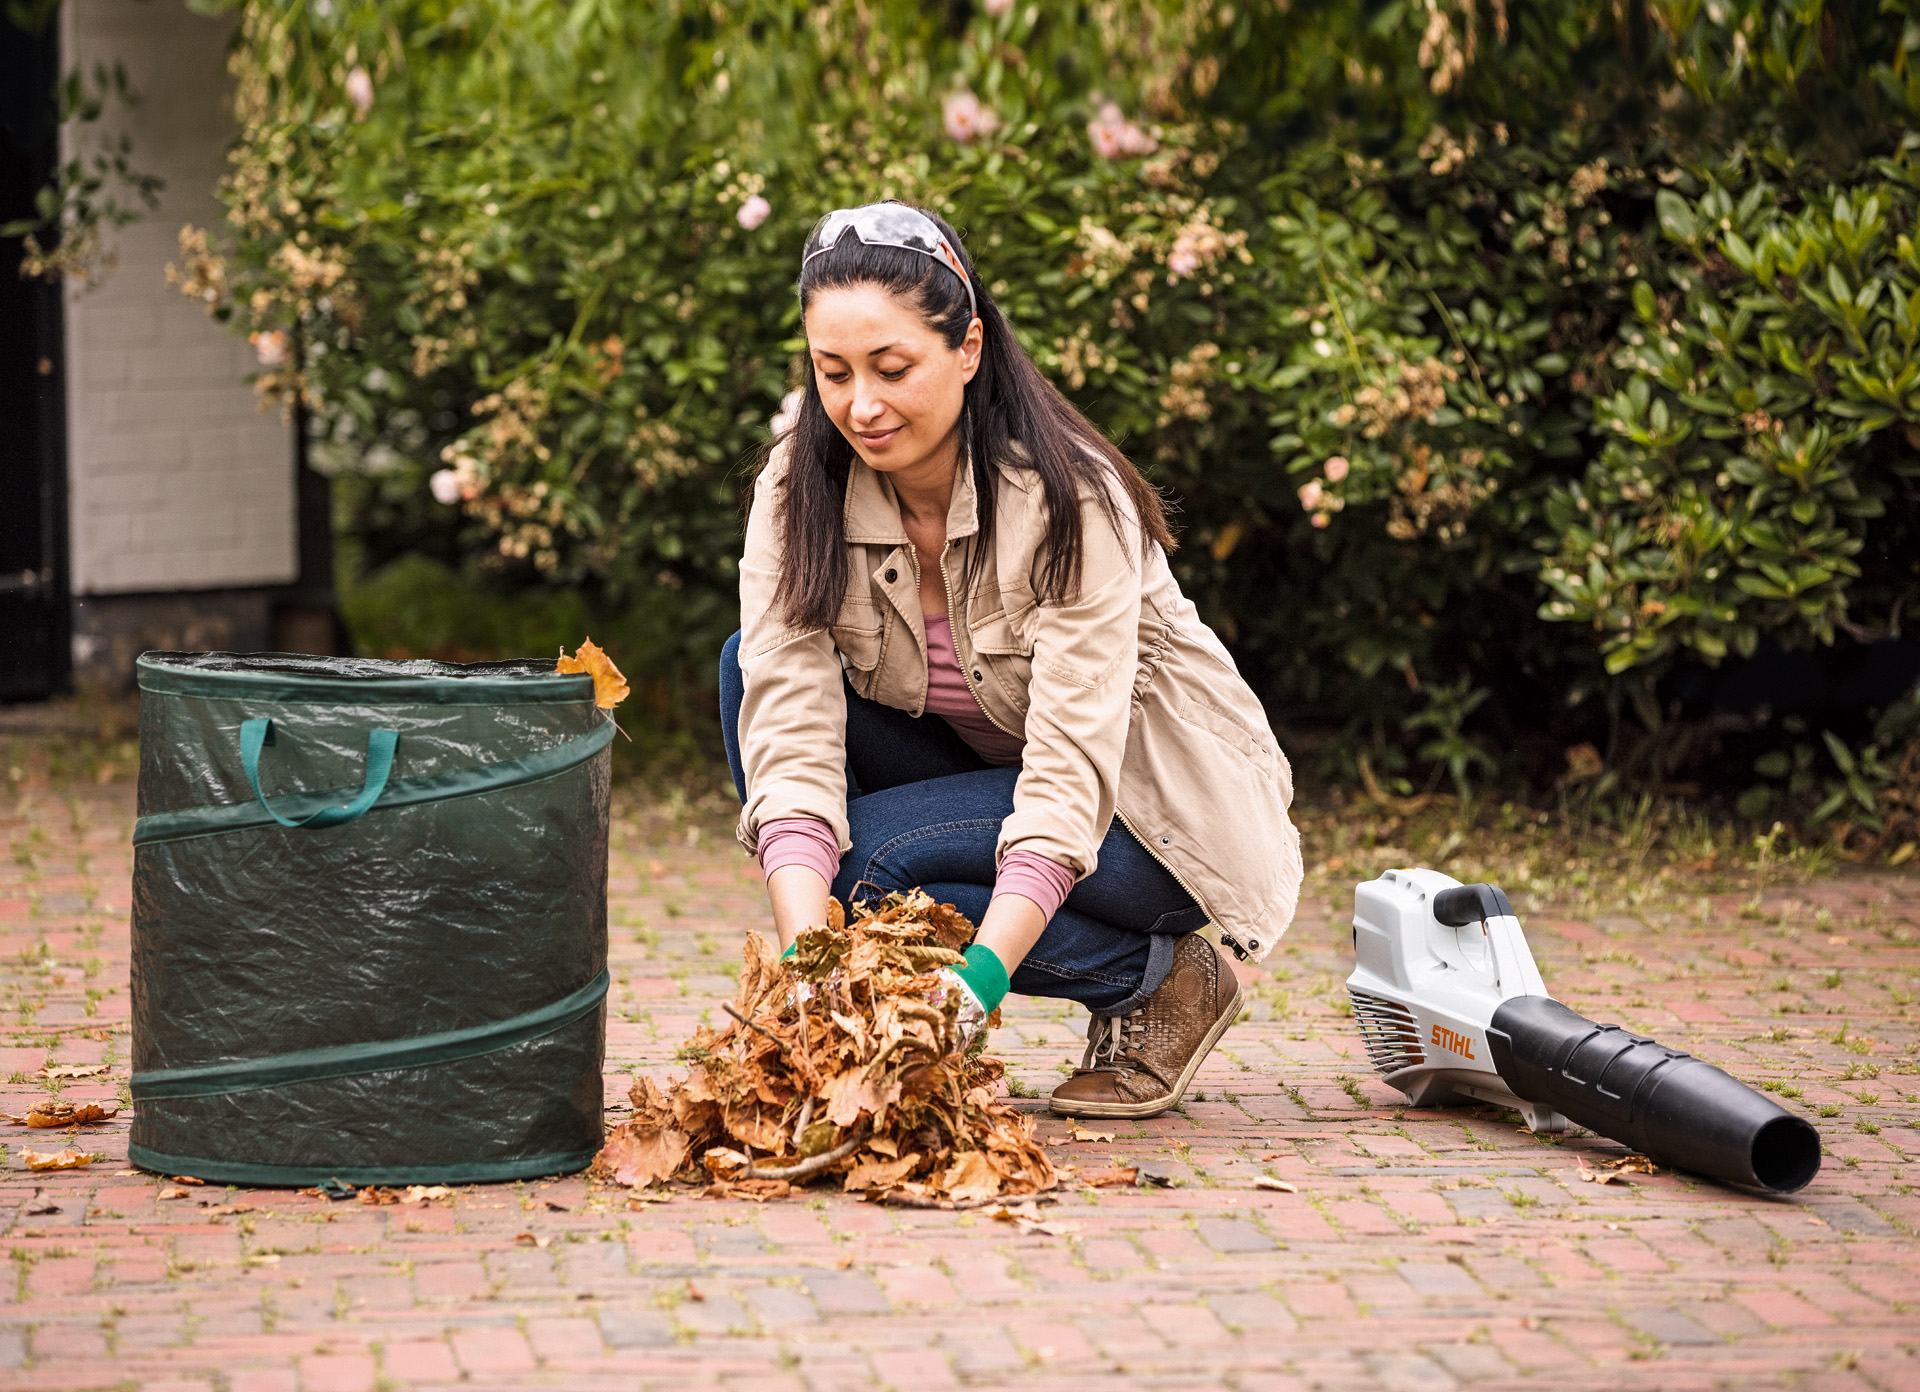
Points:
[(1128, 702)]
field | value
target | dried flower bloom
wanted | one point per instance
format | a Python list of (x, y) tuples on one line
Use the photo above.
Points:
[(1337, 468), (1311, 494), (996, 8), (445, 487), (269, 346)]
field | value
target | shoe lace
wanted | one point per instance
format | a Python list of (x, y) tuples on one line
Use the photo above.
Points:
[(1110, 1038)]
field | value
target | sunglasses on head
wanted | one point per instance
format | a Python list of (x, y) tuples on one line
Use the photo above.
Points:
[(890, 224)]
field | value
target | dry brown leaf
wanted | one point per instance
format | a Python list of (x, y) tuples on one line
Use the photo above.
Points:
[(67, 1159), (971, 1176), (424, 1193), (1082, 1133), (527, 1239), (1026, 1217), (172, 1191), (1107, 1179), (1278, 1185), (638, 1159), (868, 1173), (49, 1114), (187, 1179), (73, 1070), (609, 687)]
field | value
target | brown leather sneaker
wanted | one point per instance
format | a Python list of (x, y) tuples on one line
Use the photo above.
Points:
[(1139, 1065)]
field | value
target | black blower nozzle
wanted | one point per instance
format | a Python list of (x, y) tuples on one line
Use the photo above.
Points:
[(1677, 1108)]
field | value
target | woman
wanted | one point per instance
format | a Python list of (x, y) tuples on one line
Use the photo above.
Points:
[(964, 665)]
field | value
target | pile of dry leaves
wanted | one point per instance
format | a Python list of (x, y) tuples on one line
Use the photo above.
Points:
[(843, 1062)]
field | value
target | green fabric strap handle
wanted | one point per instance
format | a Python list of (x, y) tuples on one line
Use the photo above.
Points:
[(380, 747), (547, 763), (350, 1060)]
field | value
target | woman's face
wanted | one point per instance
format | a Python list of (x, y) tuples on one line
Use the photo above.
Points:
[(887, 380)]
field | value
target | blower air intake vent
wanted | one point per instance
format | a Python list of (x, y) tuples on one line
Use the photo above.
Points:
[(1388, 1030)]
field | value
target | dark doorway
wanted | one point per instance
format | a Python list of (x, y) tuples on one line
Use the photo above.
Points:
[(35, 651)]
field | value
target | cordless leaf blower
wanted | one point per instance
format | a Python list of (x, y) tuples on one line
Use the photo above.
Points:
[(1452, 1009)]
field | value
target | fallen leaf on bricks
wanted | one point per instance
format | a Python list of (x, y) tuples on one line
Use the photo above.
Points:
[(187, 1179), (1277, 1185), (1082, 1133), (68, 1159), (423, 1193), (73, 1070), (844, 1062), (172, 1191), (527, 1239), (1026, 1217), (49, 1114), (1106, 1179)]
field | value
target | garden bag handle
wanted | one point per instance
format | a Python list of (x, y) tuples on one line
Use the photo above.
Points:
[(380, 747)]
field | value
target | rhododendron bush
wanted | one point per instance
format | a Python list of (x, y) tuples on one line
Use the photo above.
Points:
[(1502, 359)]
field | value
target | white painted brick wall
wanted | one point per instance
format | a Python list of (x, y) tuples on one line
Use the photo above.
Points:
[(178, 481)]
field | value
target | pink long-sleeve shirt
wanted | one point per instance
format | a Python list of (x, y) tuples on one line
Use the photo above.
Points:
[(807, 841)]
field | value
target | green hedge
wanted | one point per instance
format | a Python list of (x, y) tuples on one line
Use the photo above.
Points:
[(1501, 359)]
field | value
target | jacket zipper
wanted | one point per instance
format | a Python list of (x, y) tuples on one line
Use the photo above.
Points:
[(946, 584), (967, 676)]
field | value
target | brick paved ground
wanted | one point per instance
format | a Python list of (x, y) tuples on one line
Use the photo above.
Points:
[(1424, 1250)]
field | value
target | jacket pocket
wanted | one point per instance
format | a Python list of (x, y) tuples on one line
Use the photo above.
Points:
[(1002, 654), (859, 649), (1228, 729)]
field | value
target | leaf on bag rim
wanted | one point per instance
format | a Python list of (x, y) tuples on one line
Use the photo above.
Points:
[(609, 687)]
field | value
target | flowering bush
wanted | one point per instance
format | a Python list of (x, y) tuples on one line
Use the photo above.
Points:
[(1499, 362)]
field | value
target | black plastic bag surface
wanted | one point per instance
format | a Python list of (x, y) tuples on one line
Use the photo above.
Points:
[(408, 984)]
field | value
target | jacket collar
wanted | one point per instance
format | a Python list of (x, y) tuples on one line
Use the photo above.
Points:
[(872, 515)]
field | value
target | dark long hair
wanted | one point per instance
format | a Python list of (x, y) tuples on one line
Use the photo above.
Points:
[(1007, 401)]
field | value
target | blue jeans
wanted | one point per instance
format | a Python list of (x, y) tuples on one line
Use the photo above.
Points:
[(925, 810)]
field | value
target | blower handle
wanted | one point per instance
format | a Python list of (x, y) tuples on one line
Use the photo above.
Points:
[(1677, 1108)]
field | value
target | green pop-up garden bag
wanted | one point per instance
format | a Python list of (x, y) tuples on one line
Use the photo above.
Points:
[(369, 920)]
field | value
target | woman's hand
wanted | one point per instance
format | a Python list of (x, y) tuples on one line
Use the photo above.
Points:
[(799, 898)]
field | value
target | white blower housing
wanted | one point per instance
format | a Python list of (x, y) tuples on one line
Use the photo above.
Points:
[(1429, 975)]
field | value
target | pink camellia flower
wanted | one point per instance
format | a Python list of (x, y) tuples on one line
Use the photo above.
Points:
[(753, 212), (1115, 137), (966, 118), (445, 485), (360, 92), (1311, 494), (1320, 519), (1183, 263), (996, 8), (1336, 468), (270, 347)]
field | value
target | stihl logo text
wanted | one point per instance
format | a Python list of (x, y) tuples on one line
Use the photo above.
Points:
[(1451, 1042)]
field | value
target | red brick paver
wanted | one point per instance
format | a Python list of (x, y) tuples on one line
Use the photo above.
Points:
[(1424, 1249)]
